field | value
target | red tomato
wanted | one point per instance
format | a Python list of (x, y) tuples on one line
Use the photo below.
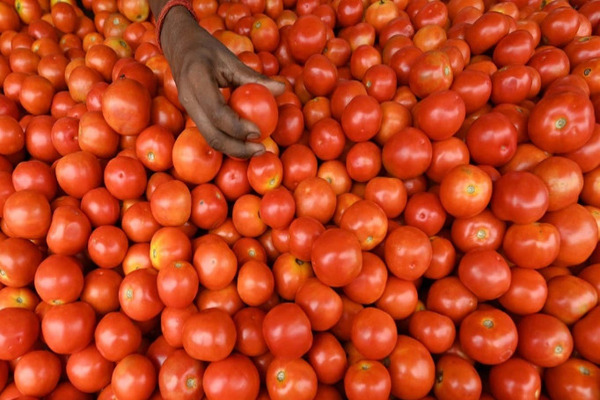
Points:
[(515, 378), (291, 378), (235, 377), (431, 72), (407, 252), (58, 279), (177, 284), (367, 379), (135, 116), (465, 191), (138, 295), (180, 377), (209, 335), (564, 180), (361, 118), (440, 115), (492, 139), (527, 293), (562, 122), (411, 368), (544, 340), (328, 358), (88, 370), (116, 336), (456, 377), (287, 331), (488, 336), (336, 257), (255, 103), (485, 273), (37, 373), (584, 334), (434, 330), (133, 378), (19, 330), (522, 204), (569, 298), (573, 378), (407, 154)]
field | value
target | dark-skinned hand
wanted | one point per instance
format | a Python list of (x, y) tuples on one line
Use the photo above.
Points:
[(201, 65)]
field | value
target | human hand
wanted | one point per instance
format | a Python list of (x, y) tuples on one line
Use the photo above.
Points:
[(201, 65)]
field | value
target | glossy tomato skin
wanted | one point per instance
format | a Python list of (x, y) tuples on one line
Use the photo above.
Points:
[(522, 204), (562, 122), (37, 373), (18, 332), (255, 103), (515, 378), (488, 336), (544, 340), (367, 379), (291, 378), (574, 378), (456, 378), (235, 377), (407, 154), (61, 321), (333, 249), (492, 139), (411, 369)]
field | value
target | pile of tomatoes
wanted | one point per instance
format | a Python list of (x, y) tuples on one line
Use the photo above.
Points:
[(423, 225)]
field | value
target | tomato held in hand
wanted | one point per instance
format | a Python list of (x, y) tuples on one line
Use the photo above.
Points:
[(255, 103)]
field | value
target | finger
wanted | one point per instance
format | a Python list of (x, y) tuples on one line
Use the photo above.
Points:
[(245, 74), (226, 144)]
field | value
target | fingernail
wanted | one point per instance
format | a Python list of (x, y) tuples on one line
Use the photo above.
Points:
[(253, 136)]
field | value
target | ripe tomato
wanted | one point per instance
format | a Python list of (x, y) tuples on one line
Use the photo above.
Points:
[(19, 330), (544, 340), (328, 358), (367, 379), (209, 335), (440, 115), (138, 295), (561, 122), (584, 333), (407, 252), (133, 378), (411, 369), (527, 292), (88, 370), (180, 377), (569, 298), (573, 378), (564, 180), (177, 284), (116, 336), (407, 154), (523, 205), (249, 337), (465, 191), (456, 378), (37, 373), (361, 119), (291, 378), (431, 72), (515, 378), (235, 377), (336, 257), (59, 279), (287, 331), (488, 336), (434, 330), (492, 139), (255, 103), (27, 214)]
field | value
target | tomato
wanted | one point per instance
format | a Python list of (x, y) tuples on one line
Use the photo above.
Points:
[(209, 207), (37, 373), (135, 117), (287, 331), (291, 378), (328, 358), (564, 180), (307, 36), (78, 173), (574, 378), (235, 377), (367, 221), (584, 332), (180, 377), (209, 335), (58, 279), (367, 379), (101, 290), (485, 273), (388, 193), (19, 260), (61, 321), (465, 191), (555, 127), (551, 63), (492, 139), (116, 336), (515, 378), (411, 369), (430, 72), (440, 115), (407, 154), (456, 378), (569, 298), (544, 340), (434, 330), (18, 332), (527, 293), (177, 284), (107, 246), (515, 48), (361, 119), (133, 378), (138, 295), (290, 273), (486, 31), (578, 233), (169, 244), (88, 370), (407, 252), (336, 257), (262, 110), (488, 336), (255, 282)]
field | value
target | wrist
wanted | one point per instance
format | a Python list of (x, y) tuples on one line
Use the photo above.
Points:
[(175, 18)]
